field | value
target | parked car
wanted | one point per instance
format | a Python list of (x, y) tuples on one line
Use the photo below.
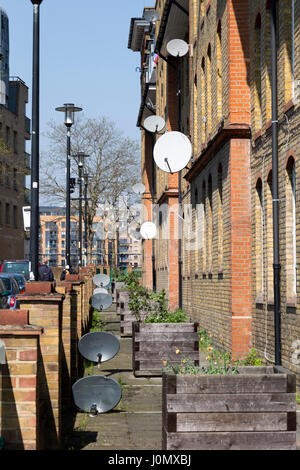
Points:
[(3, 295), (18, 266), (20, 280), (12, 288)]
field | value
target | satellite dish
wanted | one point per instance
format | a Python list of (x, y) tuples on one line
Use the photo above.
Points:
[(139, 188), (154, 124), (148, 230), (96, 394), (172, 152), (101, 280), (101, 301), (100, 290), (177, 48), (151, 16), (99, 346)]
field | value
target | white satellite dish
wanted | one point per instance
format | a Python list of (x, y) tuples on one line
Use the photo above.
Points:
[(172, 152), (151, 16), (177, 48), (154, 124), (148, 230), (139, 188)]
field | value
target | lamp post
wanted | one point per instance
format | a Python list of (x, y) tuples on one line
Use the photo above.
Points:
[(35, 157), (86, 178), (69, 109), (80, 159)]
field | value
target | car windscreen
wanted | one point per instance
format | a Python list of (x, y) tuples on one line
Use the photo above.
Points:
[(16, 268)]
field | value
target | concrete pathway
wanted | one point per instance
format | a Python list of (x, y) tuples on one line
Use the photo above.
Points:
[(136, 421)]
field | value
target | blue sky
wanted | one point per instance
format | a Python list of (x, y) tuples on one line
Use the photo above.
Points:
[(84, 58)]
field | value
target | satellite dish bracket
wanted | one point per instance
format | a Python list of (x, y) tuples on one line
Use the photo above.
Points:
[(93, 411)]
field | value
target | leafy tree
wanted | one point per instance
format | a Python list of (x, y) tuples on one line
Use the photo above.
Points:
[(112, 166)]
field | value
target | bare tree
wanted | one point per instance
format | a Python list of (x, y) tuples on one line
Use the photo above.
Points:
[(112, 166)]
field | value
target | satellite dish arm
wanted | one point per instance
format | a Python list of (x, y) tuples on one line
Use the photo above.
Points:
[(165, 59)]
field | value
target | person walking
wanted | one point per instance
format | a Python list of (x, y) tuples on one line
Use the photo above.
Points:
[(45, 272), (68, 270)]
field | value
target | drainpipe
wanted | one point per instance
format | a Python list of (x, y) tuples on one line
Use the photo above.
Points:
[(179, 194), (153, 202), (275, 201)]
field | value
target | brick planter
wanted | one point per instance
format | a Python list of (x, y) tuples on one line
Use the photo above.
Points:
[(153, 343), (253, 410)]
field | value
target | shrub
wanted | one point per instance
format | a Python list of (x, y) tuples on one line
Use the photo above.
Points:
[(252, 359)]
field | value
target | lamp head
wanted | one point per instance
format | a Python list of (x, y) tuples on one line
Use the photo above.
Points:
[(69, 109), (36, 2), (80, 157)]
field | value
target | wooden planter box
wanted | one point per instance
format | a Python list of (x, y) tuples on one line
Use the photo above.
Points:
[(153, 343), (122, 299), (253, 410), (118, 286)]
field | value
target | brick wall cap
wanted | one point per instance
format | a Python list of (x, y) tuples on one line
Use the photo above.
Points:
[(37, 297), (14, 317), (29, 330)]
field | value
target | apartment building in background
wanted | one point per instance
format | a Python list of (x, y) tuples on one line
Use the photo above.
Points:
[(226, 260), (124, 250), (14, 160)]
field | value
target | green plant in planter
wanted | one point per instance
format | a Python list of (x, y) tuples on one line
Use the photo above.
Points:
[(217, 364), (139, 300), (252, 359)]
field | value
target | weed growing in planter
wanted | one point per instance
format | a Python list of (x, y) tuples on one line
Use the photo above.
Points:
[(217, 364), (252, 359)]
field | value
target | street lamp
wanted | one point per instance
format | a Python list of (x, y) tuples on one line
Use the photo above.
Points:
[(69, 109), (80, 157), (35, 156)]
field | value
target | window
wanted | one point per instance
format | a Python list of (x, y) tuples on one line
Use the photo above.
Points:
[(291, 254), (7, 134), (195, 107), (268, 63), (219, 73), (259, 238), (209, 225), (15, 178), (15, 216), (220, 218), (203, 102), (204, 227), (195, 228), (269, 235), (289, 48), (15, 142), (7, 214), (7, 176), (208, 91), (257, 74)]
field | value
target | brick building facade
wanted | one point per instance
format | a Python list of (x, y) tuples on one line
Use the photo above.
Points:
[(227, 243), (14, 165)]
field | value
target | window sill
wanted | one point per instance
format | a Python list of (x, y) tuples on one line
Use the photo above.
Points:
[(259, 299), (289, 106), (257, 137), (291, 302)]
